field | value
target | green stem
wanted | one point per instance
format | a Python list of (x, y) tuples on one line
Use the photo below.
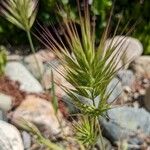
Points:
[(33, 51)]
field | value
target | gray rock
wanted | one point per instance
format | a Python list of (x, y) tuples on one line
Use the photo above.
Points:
[(1, 115), (10, 138), (17, 72), (31, 65), (141, 66), (126, 77), (5, 102), (26, 140), (125, 121), (116, 88), (106, 144), (147, 99), (131, 46)]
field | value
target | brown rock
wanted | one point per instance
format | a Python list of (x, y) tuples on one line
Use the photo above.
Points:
[(42, 114)]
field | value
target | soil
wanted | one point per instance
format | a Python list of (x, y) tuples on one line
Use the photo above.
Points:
[(12, 88)]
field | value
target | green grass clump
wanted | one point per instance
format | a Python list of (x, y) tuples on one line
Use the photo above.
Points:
[(89, 68)]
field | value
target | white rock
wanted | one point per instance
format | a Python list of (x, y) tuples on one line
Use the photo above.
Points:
[(41, 113), (26, 140), (5, 102), (17, 72), (131, 46), (32, 66), (141, 66), (10, 138)]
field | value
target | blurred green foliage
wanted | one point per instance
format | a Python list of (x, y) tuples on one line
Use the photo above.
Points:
[(126, 9), (133, 11), (3, 59)]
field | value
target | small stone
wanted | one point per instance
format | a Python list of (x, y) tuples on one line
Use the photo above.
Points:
[(26, 140), (136, 104), (126, 77), (142, 91), (5, 102), (10, 138), (141, 66), (136, 95), (31, 64), (127, 89), (17, 72), (41, 113)]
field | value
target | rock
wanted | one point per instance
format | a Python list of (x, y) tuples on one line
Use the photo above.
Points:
[(10, 138), (14, 58), (147, 99), (106, 144), (125, 122), (41, 113), (131, 46), (5, 102), (141, 66), (1, 115), (31, 65), (46, 55), (26, 140), (116, 87), (17, 72), (58, 78), (126, 77)]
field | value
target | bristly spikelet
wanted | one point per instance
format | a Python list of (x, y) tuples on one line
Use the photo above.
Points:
[(89, 68), (21, 13)]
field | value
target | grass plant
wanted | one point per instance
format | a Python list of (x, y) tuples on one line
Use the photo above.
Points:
[(89, 68), (22, 13)]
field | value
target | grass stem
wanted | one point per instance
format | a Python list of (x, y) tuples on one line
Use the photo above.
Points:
[(33, 51)]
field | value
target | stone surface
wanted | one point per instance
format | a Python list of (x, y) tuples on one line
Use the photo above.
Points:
[(10, 138), (31, 65), (126, 77), (141, 66), (116, 88), (147, 99), (17, 72), (132, 47), (5, 102), (125, 121), (106, 144), (26, 140), (1, 115), (58, 78), (14, 58), (41, 113)]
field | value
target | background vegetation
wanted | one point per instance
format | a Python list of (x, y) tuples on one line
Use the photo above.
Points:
[(128, 10)]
